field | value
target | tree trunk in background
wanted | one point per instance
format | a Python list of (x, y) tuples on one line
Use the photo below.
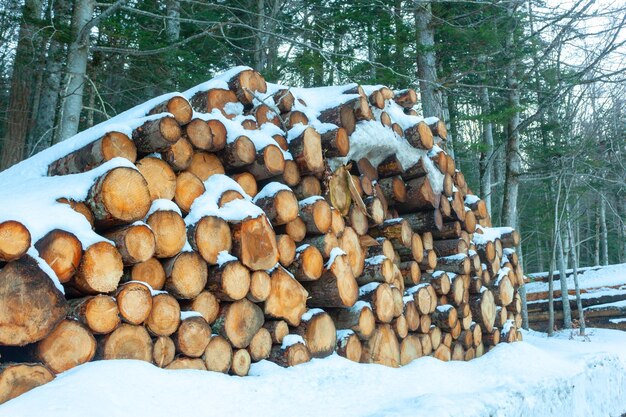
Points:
[(259, 39), (486, 155), (603, 232), (622, 231), (371, 51), (76, 70), (449, 117), (172, 33), (513, 161), (596, 248), (426, 60), (20, 97), (43, 130), (574, 259), (567, 311)]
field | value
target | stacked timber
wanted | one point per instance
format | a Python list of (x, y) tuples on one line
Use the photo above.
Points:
[(235, 223)]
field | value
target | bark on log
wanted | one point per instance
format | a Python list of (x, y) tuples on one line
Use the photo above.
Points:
[(179, 155), (380, 298), (215, 98), (306, 149), (335, 143), (269, 162), (111, 145), (315, 212), (238, 153), (420, 136), (278, 330), (280, 208), (308, 264), (349, 346), (290, 355), (341, 115), (358, 318), (245, 84), (156, 135), (425, 221)]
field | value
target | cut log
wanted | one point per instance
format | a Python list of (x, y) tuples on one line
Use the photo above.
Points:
[(287, 299), (483, 309), (306, 149), (445, 317), (163, 351), (210, 236), (280, 207), (284, 100), (199, 134), (429, 260), (70, 344), (358, 318), (260, 286), (134, 302), (419, 196), (99, 313), (382, 348), (341, 115), (393, 189), (254, 243), (164, 317), (215, 98), (375, 210), (127, 342), (169, 232), (238, 322), (335, 143), (308, 186), (318, 331), (186, 275), (289, 355), (440, 282), (410, 349), (449, 230), (357, 219), (156, 135), (324, 243), (415, 252), (241, 362), (351, 245), (61, 250), (400, 326), (406, 98), (100, 269), (425, 221), (315, 213), (238, 153), (18, 378), (348, 345), (286, 250), (245, 84), (458, 264), (420, 136), (503, 291), (247, 182), (205, 303), (294, 118), (187, 363), (268, 163), (188, 188), (264, 114), (151, 272), (229, 281), (179, 155), (111, 145), (308, 264), (135, 243), (491, 337), (178, 106), (450, 247), (218, 355), (336, 287), (377, 269), (278, 330), (398, 231), (204, 164), (380, 298), (120, 196), (260, 345), (422, 297), (192, 336), (78, 207)]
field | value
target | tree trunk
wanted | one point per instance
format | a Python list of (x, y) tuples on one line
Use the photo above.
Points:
[(567, 313), (603, 231), (20, 98), (426, 61), (574, 258), (486, 155), (76, 70)]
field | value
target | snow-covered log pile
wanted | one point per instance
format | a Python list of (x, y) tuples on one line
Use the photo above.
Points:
[(242, 221), (603, 297)]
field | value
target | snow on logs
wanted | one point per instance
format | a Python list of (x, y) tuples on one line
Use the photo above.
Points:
[(241, 221)]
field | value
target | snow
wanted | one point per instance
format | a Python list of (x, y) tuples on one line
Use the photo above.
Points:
[(224, 257), (291, 339), (375, 260), (163, 204), (368, 288), (309, 200), (538, 377), (485, 234), (188, 314), (270, 190), (344, 334), (607, 276), (444, 308), (333, 254), (310, 313), (617, 321)]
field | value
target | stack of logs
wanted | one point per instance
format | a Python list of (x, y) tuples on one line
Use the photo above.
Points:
[(367, 261)]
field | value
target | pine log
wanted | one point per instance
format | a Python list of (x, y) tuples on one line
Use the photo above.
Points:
[(380, 298), (179, 155), (229, 281), (204, 164), (261, 345), (351, 245), (448, 230), (134, 302), (254, 243), (290, 355), (420, 136), (398, 231), (393, 189), (156, 135), (336, 287), (199, 134), (287, 298), (70, 344), (160, 177), (269, 162), (164, 316), (429, 260), (358, 318), (183, 362), (280, 207), (400, 326), (425, 221), (308, 186), (342, 115), (445, 317), (120, 196), (502, 290), (210, 236), (18, 378), (483, 309), (100, 269), (510, 239), (99, 313), (127, 342), (457, 289), (491, 337), (357, 219), (324, 243), (245, 84), (306, 149), (377, 269), (315, 212), (188, 188), (205, 303), (284, 100), (61, 250), (151, 272), (169, 232), (335, 143), (238, 322), (406, 98), (411, 314), (419, 196), (260, 286), (163, 351), (241, 363), (278, 329), (78, 207), (135, 243), (286, 250), (192, 336), (422, 297), (410, 349), (239, 153), (218, 355), (111, 145), (348, 345), (458, 264), (308, 264), (215, 98), (318, 331), (382, 348), (440, 282)]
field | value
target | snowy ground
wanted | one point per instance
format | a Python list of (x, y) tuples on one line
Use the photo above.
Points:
[(537, 377), (607, 276)]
